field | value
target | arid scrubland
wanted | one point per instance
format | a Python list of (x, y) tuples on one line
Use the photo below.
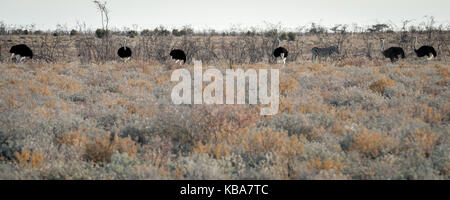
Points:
[(75, 112), (116, 121)]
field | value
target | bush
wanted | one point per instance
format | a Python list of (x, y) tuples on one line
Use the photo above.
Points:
[(73, 32), (370, 143), (101, 149), (284, 36), (102, 33), (291, 36), (146, 32), (271, 33), (38, 32), (132, 34), (381, 85)]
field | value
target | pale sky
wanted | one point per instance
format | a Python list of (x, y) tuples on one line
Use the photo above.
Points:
[(220, 14)]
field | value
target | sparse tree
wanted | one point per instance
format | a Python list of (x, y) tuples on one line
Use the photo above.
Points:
[(104, 12)]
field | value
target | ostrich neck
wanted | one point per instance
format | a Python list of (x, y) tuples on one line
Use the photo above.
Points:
[(415, 43), (382, 45)]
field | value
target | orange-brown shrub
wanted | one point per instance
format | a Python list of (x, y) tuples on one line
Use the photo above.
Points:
[(288, 86), (139, 83), (42, 90), (380, 85), (73, 138), (102, 148), (285, 106), (313, 108), (252, 143), (370, 143), (324, 164), (208, 120), (426, 139), (443, 71), (432, 115), (27, 157)]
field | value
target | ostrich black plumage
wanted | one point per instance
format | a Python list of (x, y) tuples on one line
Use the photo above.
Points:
[(124, 53), (427, 51), (392, 53), (21, 51), (178, 55), (280, 53)]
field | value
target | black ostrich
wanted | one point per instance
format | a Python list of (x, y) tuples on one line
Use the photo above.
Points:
[(427, 51), (124, 52), (392, 53), (178, 55), (280, 53), (20, 52)]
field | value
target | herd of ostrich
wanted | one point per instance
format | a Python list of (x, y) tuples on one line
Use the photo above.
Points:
[(21, 51)]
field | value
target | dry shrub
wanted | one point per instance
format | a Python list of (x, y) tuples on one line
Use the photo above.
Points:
[(286, 106), (102, 148), (43, 77), (357, 62), (132, 109), (288, 86), (42, 90), (159, 151), (11, 101), (26, 157), (207, 121), (335, 73), (324, 164), (380, 85), (370, 143), (344, 114), (73, 138), (443, 70), (252, 143), (164, 78), (431, 115), (444, 82), (425, 139), (313, 108), (338, 128), (139, 83), (316, 67), (68, 86), (43, 112), (99, 149)]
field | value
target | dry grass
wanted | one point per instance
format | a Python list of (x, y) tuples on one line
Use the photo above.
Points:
[(370, 143), (57, 119), (28, 158), (380, 85)]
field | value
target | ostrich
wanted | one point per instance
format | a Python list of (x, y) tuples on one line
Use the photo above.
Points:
[(324, 52), (124, 52), (20, 52), (178, 55), (280, 53), (392, 53), (425, 51)]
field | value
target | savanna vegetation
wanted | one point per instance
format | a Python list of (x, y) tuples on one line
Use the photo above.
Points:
[(77, 112)]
